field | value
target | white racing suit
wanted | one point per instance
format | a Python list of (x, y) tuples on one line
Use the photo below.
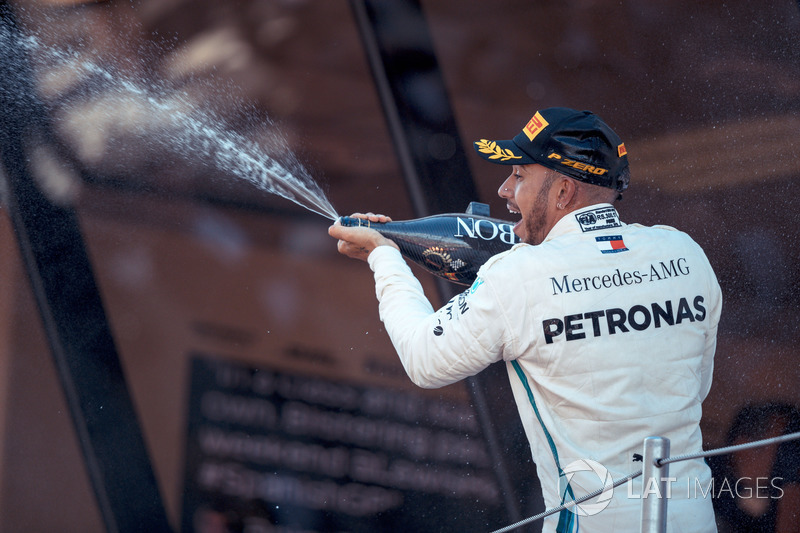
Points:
[(608, 331)]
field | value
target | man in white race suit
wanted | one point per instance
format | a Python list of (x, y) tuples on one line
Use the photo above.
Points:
[(608, 329)]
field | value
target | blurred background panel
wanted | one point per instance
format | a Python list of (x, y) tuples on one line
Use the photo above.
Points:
[(172, 109)]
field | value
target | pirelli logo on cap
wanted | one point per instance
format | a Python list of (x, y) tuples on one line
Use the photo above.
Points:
[(535, 126), (621, 150)]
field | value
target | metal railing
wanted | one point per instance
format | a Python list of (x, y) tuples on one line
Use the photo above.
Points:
[(656, 473)]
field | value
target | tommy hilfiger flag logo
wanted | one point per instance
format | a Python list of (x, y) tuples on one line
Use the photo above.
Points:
[(611, 244)]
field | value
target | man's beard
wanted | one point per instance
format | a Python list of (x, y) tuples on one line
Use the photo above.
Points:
[(538, 217)]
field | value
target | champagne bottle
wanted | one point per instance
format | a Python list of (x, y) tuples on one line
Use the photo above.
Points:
[(452, 246)]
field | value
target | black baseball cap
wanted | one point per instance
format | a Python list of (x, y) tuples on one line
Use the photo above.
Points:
[(575, 143)]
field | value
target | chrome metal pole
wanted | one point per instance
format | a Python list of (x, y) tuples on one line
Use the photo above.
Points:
[(654, 486)]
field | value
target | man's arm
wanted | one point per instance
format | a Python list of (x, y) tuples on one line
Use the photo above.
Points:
[(435, 348), (714, 312)]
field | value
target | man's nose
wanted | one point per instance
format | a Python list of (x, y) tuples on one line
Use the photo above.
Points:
[(504, 191)]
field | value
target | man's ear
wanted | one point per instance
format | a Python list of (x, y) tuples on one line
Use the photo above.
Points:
[(567, 190)]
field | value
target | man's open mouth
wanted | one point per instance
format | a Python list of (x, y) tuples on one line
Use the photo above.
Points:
[(515, 211)]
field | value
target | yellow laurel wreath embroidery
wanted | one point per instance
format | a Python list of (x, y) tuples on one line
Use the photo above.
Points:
[(490, 147)]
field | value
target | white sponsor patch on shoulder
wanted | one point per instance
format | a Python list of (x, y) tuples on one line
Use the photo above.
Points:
[(598, 219)]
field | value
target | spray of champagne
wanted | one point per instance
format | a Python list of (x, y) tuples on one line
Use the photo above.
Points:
[(110, 102)]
